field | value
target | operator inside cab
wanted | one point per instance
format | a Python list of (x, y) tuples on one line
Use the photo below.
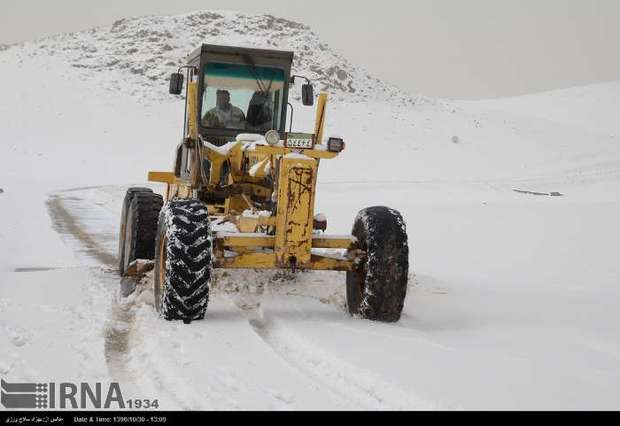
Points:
[(224, 114), (240, 98)]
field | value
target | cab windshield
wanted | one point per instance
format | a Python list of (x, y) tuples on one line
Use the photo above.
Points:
[(242, 97)]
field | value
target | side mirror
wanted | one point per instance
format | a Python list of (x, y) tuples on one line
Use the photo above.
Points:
[(307, 94), (176, 84)]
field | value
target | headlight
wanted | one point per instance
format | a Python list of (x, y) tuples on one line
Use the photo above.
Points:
[(335, 145), (272, 137)]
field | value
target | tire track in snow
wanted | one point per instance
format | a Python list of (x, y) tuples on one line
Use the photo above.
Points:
[(158, 375), (121, 323), (66, 224), (359, 387), (353, 386), (121, 319)]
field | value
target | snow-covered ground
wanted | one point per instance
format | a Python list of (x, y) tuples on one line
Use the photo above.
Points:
[(513, 301)]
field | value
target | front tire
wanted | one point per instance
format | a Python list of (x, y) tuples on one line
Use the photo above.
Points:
[(183, 261), (377, 287)]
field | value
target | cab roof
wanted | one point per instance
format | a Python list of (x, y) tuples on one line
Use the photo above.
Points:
[(239, 51)]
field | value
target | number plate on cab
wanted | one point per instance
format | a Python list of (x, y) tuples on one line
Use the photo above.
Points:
[(299, 140)]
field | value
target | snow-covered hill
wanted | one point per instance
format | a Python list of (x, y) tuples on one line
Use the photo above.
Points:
[(137, 55), (513, 301)]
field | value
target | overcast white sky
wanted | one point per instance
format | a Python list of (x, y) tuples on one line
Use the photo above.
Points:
[(449, 48)]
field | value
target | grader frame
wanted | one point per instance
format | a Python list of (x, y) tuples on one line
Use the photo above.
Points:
[(245, 166), (261, 180)]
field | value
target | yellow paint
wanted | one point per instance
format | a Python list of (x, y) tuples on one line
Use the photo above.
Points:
[(217, 160), (331, 243), (325, 263), (268, 241), (255, 260), (192, 109), (249, 225), (163, 177), (280, 150), (319, 122), (295, 216), (247, 261), (260, 168), (254, 240)]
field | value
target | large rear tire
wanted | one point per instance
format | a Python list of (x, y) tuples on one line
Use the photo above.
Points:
[(183, 261), (138, 226), (377, 287)]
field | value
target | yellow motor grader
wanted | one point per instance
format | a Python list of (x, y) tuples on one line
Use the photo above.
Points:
[(238, 170)]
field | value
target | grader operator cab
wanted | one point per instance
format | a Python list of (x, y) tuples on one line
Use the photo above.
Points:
[(237, 165)]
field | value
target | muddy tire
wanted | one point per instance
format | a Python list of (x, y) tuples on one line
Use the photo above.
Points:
[(183, 261), (376, 289), (138, 226)]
